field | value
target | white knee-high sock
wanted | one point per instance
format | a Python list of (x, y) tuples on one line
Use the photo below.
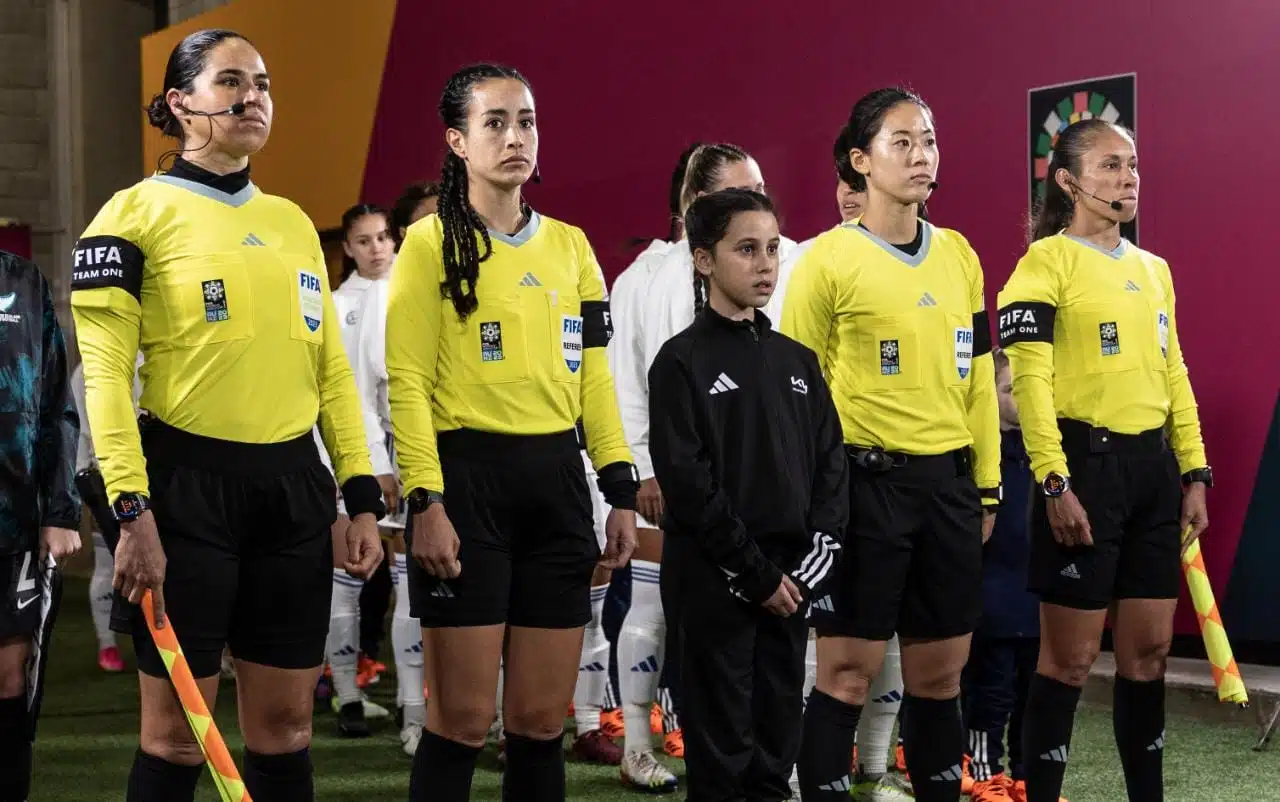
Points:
[(640, 652), (344, 635), (100, 592), (497, 724), (406, 640), (593, 669), (875, 730), (810, 668)]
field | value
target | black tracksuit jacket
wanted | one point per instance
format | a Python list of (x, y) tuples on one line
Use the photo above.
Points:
[(748, 451)]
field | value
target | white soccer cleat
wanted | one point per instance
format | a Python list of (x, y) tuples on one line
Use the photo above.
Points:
[(643, 771)]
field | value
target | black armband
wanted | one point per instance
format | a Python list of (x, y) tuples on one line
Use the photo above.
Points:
[(981, 333), (363, 494), (619, 483), (1026, 322), (597, 324), (99, 262)]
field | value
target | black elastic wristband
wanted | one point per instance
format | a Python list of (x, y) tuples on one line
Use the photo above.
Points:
[(363, 494), (619, 485)]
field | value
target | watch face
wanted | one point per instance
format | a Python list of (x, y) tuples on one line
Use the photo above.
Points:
[(129, 507), (1055, 484)]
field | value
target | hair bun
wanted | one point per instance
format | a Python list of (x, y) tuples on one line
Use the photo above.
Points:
[(158, 112)]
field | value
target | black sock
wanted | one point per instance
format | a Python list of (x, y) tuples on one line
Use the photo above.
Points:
[(15, 749), (442, 770), (279, 778), (935, 750), (1046, 736), (155, 780), (826, 752), (1139, 726), (535, 770)]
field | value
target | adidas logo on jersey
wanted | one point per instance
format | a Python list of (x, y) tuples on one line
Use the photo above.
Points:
[(926, 300), (530, 280), (1070, 572), (252, 239), (824, 604), (1131, 287), (723, 384), (442, 591), (649, 665)]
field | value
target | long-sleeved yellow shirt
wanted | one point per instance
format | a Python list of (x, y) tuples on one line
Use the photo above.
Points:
[(1092, 336), (530, 360), (903, 341), (225, 295)]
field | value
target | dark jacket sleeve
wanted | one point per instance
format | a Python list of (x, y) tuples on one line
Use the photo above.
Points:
[(695, 503), (59, 427), (829, 496)]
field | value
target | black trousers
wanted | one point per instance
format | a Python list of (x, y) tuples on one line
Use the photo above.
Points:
[(743, 674), (995, 684)]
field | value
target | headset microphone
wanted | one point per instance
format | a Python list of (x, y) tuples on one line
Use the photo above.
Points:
[(235, 110), (933, 185), (537, 175), (1114, 204)]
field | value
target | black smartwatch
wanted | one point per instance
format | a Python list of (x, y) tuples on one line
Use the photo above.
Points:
[(420, 500), (129, 507), (1203, 475), (1055, 484)]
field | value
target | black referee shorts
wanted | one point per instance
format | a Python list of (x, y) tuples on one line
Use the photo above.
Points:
[(1130, 488), (912, 561), (522, 511), (245, 528)]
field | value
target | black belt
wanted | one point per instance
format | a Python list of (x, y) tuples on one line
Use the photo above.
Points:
[(1079, 437), (877, 460)]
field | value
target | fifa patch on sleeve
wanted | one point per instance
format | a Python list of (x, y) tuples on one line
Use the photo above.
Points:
[(890, 358), (491, 341), (1026, 322), (597, 324), (106, 261)]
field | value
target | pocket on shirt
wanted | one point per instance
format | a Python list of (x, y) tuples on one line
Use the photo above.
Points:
[(565, 323), (1109, 337), (888, 355), (207, 301), (494, 346), (306, 300)]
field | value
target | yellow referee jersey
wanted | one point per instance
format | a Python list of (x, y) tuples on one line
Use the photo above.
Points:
[(225, 294), (530, 360), (1091, 335), (903, 341)]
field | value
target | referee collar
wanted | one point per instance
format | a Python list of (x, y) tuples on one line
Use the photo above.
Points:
[(233, 189), (1114, 253), (924, 232)]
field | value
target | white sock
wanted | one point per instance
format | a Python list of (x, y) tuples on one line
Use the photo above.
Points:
[(875, 730), (100, 592), (593, 669), (342, 646), (406, 641), (502, 670), (810, 668), (640, 654)]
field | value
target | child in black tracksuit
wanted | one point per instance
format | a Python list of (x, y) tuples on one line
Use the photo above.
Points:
[(748, 450)]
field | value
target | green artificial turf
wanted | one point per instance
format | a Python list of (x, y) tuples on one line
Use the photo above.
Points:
[(88, 733)]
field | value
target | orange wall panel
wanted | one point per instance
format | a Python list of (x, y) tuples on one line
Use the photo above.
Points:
[(326, 59)]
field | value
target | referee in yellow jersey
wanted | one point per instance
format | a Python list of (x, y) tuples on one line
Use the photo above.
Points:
[(496, 332), (223, 503), (1113, 433), (893, 307)]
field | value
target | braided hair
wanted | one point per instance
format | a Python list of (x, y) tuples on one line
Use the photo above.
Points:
[(460, 248), (707, 220)]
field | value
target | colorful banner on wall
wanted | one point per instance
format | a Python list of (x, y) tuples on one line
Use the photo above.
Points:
[(1050, 109)]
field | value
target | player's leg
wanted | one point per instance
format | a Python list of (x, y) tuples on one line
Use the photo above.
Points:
[(342, 642), (990, 694), (406, 640), (591, 743), (855, 615), (1147, 583), (1026, 651), (777, 704), (101, 596), (617, 602), (20, 618), (375, 601), (875, 729), (669, 681)]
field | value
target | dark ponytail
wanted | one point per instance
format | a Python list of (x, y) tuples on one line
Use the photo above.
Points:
[(458, 218), (707, 220), (349, 219), (186, 62), (1055, 208)]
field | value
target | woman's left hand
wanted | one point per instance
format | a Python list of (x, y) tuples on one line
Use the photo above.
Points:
[(620, 538), (1195, 514), (364, 546)]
